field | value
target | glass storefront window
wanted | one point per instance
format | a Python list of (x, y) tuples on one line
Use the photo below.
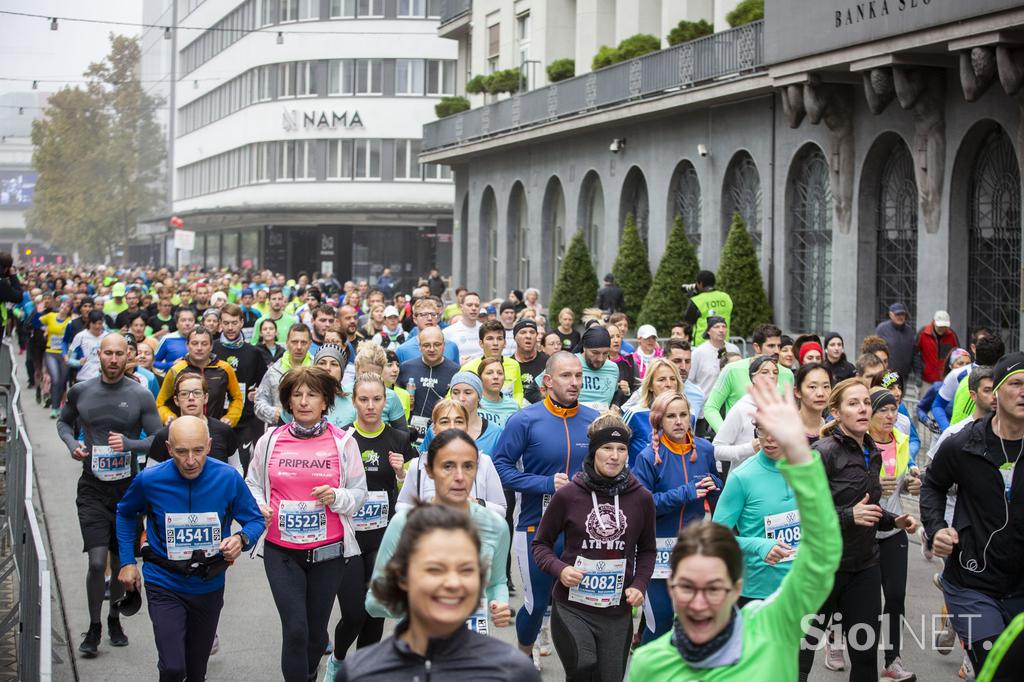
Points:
[(250, 249), (229, 250)]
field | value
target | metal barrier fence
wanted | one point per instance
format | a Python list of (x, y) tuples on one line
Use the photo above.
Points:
[(717, 56), (31, 613)]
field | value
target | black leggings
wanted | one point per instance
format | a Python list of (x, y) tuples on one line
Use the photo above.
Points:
[(855, 602), (893, 563), (593, 647), (304, 595), (95, 584), (355, 624)]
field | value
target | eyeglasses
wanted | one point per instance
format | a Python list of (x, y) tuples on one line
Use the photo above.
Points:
[(714, 595), (429, 315), (193, 393)]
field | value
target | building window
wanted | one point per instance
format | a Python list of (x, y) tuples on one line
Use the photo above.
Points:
[(339, 160), (340, 77), (436, 171), (409, 77), (523, 39), (261, 162), (368, 77), (309, 10), (263, 83), (286, 160), (367, 159), (286, 80), (810, 242), (412, 8), (434, 9), (742, 194), (265, 13), (688, 202), (493, 44), (896, 247), (406, 165), (343, 9), (289, 10), (371, 9), (305, 79), (440, 77)]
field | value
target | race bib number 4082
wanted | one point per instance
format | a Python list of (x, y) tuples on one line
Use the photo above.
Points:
[(602, 582)]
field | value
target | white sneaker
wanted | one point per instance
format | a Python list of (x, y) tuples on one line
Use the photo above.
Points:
[(834, 660), (536, 658), (544, 641), (216, 645), (895, 672)]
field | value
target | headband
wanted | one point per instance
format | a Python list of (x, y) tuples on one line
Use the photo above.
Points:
[(611, 434), (756, 362)]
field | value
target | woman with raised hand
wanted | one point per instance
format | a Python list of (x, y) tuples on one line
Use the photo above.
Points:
[(451, 462), (604, 519), (308, 479), (853, 464), (434, 582), (679, 470), (712, 638)]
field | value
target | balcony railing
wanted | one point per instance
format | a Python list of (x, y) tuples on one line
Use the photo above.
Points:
[(717, 56), (453, 9)]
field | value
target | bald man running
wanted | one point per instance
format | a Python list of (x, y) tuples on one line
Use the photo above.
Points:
[(190, 502), (111, 411)]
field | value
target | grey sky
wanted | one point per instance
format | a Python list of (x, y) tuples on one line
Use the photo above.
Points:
[(29, 49)]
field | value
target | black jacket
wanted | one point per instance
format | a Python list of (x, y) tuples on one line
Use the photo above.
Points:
[(840, 370), (464, 657), (968, 461), (610, 299), (249, 365), (849, 480)]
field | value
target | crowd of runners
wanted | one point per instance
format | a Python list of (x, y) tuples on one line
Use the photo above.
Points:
[(670, 506)]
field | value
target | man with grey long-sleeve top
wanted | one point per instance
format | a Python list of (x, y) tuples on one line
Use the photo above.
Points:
[(112, 412)]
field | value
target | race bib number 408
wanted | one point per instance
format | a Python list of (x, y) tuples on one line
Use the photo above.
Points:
[(784, 527)]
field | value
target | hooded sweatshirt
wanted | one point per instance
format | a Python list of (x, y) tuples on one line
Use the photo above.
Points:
[(598, 526)]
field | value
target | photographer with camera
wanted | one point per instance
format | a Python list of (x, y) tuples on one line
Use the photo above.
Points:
[(10, 288), (705, 303)]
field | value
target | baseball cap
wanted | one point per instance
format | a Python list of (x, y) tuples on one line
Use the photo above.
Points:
[(898, 309), (247, 291), (941, 318), (1008, 365), (712, 321), (390, 311), (646, 331)]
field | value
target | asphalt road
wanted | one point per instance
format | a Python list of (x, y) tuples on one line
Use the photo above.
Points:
[(250, 634)]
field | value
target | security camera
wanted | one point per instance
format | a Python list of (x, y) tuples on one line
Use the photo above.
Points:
[(702, 151), (617, 145)]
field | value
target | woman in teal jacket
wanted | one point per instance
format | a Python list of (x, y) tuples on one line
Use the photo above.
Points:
[(759, 504), (679, 470), (714, 640)]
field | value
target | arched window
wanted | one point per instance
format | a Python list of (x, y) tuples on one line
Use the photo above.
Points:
[(489, 241), (518, 238), (591, 213), (685, 201), (994, 239), (741, 194), (552, 232), (896, 233), (810, 242), (634, 201)]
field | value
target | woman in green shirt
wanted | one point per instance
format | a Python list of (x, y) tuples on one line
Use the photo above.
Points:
[(712, 639)]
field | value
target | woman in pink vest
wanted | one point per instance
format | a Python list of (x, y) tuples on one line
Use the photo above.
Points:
[(308, 479)]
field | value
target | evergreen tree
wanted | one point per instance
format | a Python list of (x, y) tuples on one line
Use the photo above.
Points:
[(739, 275), (577, 283), (632, 270), (666, 302)]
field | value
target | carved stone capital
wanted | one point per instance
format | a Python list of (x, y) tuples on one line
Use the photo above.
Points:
[(793, 104), (977, 71), (878, 89), (1010, 64)]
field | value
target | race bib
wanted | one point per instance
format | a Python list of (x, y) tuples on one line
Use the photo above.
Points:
[(784, 527), (108, 465), (477, 622), (601, 586), (664, 546), (545, 501), (302, 521), (1006, 470), (373, 515), (227, 396), (420, 422), (185, 533), (56, 343)]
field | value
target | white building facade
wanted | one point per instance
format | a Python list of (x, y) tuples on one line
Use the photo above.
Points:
[(296, 132)]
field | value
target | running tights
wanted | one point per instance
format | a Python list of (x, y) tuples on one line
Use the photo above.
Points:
[(58, 372), (854, 603), (95, 584), (893, 562), (355, 624), (304, 594), (593, 647)]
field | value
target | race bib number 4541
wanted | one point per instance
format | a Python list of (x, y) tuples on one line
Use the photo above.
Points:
[(186, 532)]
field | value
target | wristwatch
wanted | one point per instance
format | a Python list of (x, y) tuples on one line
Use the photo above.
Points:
[(244, 538)]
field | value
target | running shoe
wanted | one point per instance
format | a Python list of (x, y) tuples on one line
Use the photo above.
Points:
[(834, 660), (937, 581), (544, 641), (967, 670), (215, 647), (333, 668), (90, 645), (117, 636), (925, 552), (330, 648), (54, 414), (945, 640), (895, 672), (536, 658)]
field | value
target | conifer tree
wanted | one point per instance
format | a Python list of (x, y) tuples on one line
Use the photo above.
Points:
[(577, 282), (632, 270), (666, 301), (739, 275)]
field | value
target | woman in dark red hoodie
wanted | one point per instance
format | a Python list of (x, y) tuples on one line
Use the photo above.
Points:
[(597, 538)]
